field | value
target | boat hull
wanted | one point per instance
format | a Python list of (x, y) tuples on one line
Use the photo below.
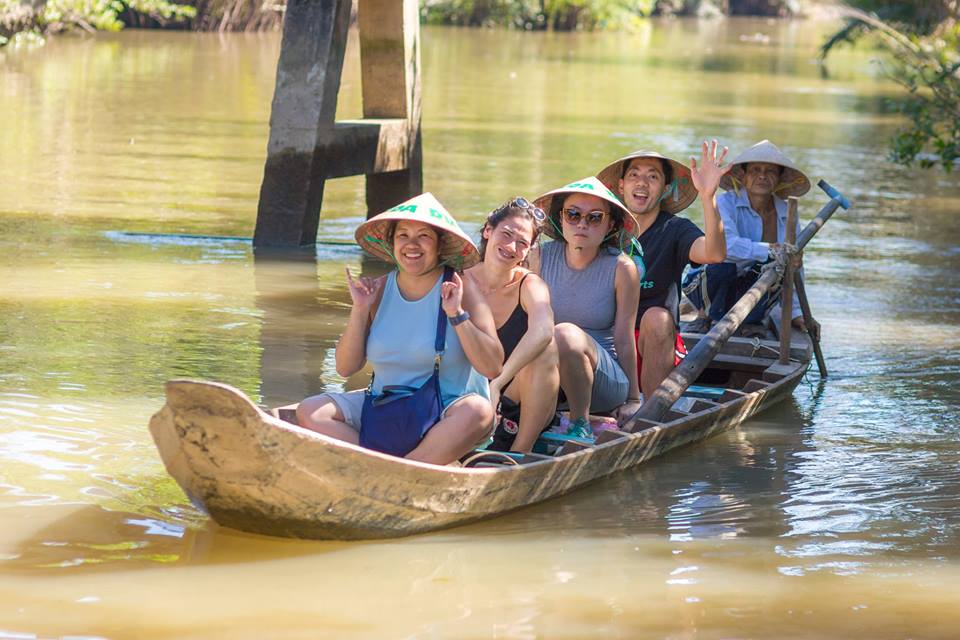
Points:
[(251, 471)]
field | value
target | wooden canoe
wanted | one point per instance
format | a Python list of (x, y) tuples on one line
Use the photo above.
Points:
[(253, 471)]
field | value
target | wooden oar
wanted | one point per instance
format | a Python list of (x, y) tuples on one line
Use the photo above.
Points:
[(684, 374), (808, 318)]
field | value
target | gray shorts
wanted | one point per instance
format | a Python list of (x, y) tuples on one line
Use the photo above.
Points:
[(350, 404), (610, 384)]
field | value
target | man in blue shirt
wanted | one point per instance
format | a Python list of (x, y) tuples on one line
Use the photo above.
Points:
[(754, 215)]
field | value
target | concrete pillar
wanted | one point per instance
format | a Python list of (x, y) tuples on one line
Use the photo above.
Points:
[(307, 146), (301, 121), (390, 68)]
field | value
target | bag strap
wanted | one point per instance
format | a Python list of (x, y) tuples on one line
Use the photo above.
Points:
[(440, 343)]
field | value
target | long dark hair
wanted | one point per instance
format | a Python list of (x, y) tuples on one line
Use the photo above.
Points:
[(517, 207)]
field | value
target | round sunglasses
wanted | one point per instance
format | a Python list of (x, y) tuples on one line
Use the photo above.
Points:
[(593, 218), (522, 203)]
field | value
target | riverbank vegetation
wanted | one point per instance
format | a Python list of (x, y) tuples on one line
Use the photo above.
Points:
[(570, 15), (33, 20), (922, 43)]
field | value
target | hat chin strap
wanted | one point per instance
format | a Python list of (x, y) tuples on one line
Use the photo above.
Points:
[(388, 248), (781, 186), (672, 189), (789, 185), (558, 228), (455, 261)]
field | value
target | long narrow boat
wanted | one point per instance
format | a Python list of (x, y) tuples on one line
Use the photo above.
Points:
[(260, 472), (254, 471)]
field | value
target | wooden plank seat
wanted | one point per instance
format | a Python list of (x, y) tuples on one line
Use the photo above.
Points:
[(555, 444), (740, 363), (752, 347), (702, 391), (703, 405), (287, 413), (574, 445)]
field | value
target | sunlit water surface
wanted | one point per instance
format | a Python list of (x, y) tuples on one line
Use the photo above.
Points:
[(834, 515)]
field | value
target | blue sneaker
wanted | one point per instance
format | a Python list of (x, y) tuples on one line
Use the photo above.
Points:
[(580, 428)]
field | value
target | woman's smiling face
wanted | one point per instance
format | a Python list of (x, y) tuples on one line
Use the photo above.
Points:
[(509, 241), (415, 247)]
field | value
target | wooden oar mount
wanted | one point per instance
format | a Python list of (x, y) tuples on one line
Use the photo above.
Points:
[(307, 146), (786, 290)]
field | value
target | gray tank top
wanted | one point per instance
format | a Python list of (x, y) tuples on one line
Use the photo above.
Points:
[(586, 298)]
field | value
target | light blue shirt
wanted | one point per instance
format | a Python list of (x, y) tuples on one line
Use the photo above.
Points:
[(400, 346), (743, 228)]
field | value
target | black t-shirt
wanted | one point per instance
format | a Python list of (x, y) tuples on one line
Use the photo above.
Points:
[(666, 252)]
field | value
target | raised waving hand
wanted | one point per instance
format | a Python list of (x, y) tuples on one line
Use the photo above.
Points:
[(706, 174)]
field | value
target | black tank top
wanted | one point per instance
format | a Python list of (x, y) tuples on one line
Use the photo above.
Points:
[(513, 329)]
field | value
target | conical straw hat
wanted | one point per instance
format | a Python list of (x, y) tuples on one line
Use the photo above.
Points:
[(678, 195), (456, 248), (793, 182), (550, 203)]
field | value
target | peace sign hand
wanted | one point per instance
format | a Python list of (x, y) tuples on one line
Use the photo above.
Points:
[(363, 291), (706, 175)]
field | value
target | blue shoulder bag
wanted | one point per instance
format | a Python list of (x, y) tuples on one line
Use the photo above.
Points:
[(395, 421)]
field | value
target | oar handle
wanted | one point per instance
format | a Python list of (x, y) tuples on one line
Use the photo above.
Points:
[(836, 200), (833, 193)]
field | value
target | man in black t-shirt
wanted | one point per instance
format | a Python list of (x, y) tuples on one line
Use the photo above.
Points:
[(654, 188)]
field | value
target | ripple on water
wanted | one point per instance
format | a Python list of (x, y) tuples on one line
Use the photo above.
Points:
[(703, 510), (879, 479), (70, 451)]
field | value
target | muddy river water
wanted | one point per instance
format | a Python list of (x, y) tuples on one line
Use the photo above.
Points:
[(837, 514)]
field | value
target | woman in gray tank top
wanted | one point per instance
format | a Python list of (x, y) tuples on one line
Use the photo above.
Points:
[(595, 291)]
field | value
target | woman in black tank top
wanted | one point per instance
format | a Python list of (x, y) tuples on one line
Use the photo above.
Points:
[(525, 392)]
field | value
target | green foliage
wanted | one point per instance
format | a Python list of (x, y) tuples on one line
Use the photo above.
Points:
[(41, 17), (568, 15), (922, 40), (238, 15), (562, 15)]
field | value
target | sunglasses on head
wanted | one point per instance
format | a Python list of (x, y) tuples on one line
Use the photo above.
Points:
[(593, 218), (522, 203)]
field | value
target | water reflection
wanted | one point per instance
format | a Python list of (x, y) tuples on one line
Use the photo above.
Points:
[(304, 302)]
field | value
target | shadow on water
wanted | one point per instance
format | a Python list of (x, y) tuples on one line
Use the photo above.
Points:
[(93, 538)]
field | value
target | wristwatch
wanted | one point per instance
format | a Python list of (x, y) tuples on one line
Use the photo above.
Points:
[(460, 318)]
